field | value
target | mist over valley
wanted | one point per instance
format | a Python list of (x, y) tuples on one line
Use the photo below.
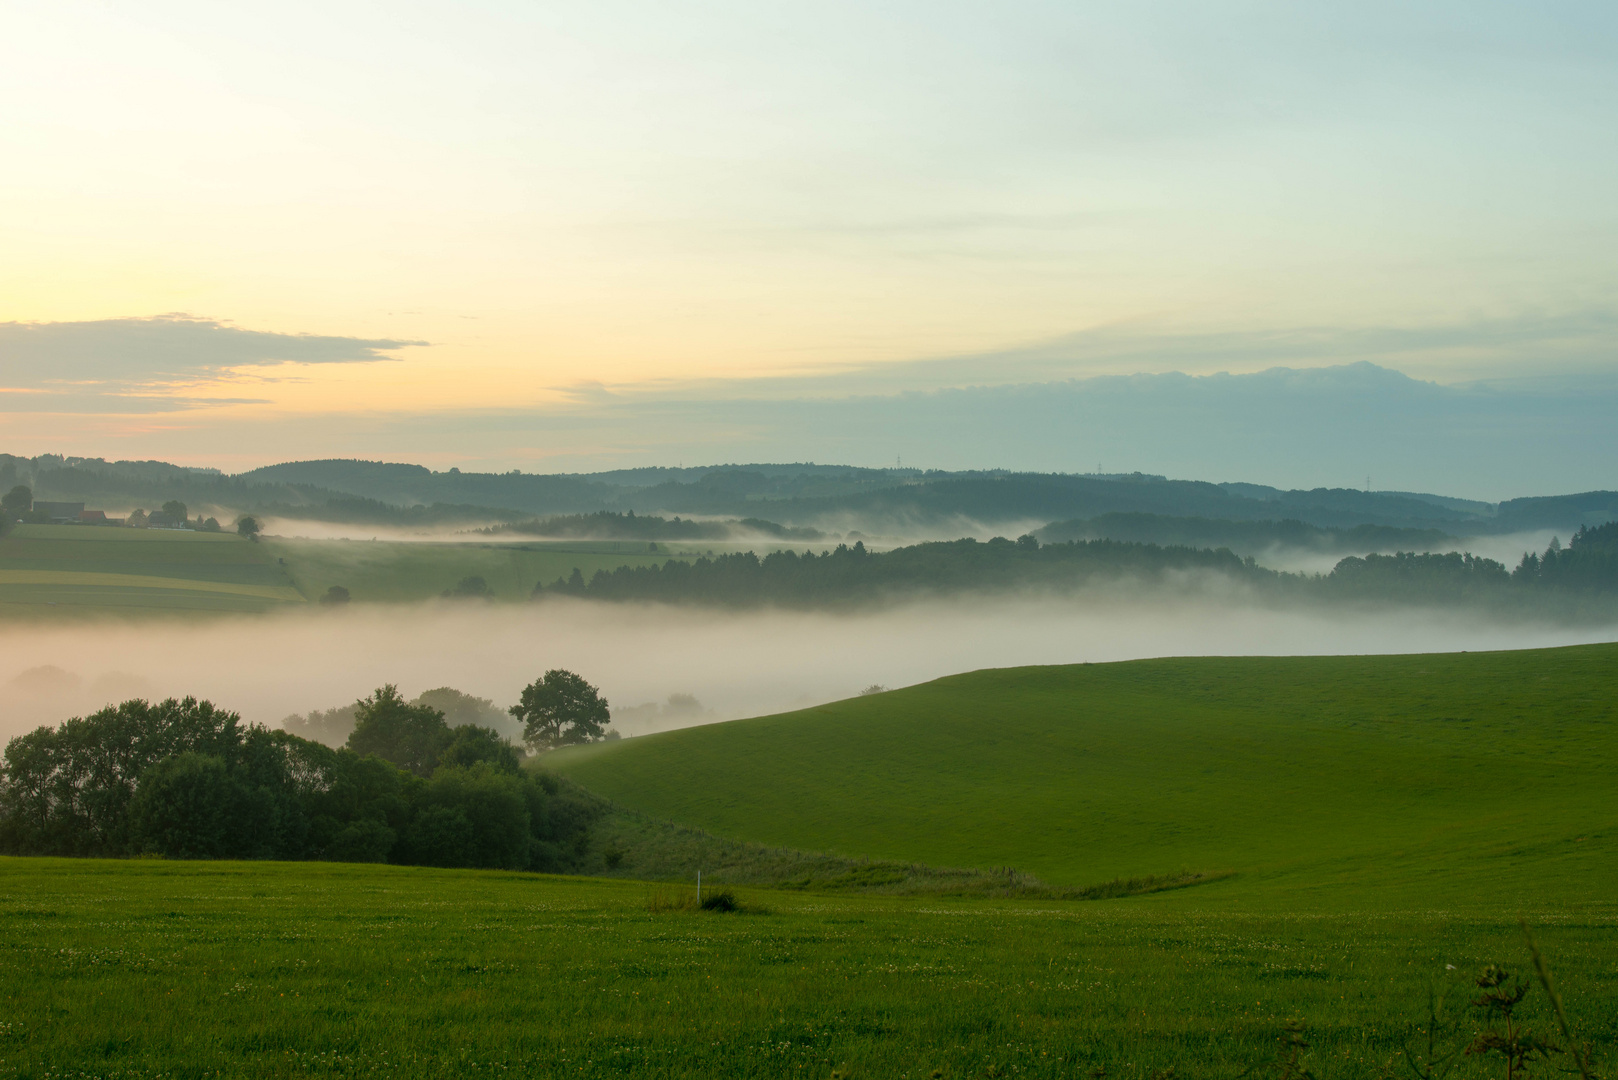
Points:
[(734, 663)]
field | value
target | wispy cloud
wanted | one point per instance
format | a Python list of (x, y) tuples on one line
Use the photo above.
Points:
[(153, 364)]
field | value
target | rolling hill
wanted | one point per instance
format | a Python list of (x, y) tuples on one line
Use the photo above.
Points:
[(1395, 779)]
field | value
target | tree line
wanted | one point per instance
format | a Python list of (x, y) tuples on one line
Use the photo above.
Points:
[(184, 778), (853, 573)]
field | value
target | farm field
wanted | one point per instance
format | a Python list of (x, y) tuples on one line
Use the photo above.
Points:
[(146, 968), (87, 569), (395, 571), (1319, 782)]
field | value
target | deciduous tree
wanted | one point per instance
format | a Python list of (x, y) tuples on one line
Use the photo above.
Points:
[(561, 709)]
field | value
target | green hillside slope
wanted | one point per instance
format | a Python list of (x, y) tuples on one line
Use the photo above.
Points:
[(1406, 778)]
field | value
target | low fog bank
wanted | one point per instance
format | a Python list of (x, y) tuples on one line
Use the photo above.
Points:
[(732, 664), (298, 529), (1507, 549)]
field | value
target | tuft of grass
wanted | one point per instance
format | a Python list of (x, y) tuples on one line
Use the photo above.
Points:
[(660, 901), (723, 900)]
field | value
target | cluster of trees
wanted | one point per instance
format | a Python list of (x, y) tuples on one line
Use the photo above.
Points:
[(469, 588), (1427, 576), (1588, 563), (186, 779), (563, 709), (174, 513), (852, 573), (1588, 566)]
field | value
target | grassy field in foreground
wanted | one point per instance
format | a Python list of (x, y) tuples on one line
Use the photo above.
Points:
[(86, 568), (145, 969), (1405, 781)]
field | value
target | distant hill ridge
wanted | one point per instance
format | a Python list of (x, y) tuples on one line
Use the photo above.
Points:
[(806, 495)]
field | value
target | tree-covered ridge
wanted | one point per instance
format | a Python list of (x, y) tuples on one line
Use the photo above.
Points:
[(852, 575)]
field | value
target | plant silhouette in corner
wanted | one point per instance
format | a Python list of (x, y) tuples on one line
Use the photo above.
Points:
[(1442, 1052), (1500, 992), (1581, 1054)]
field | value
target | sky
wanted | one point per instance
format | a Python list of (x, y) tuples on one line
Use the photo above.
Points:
[(567, 236)]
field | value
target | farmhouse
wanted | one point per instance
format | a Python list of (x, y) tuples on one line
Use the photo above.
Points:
[(59, 512)]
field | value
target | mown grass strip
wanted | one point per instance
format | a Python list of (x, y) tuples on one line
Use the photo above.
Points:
[(94, 579)]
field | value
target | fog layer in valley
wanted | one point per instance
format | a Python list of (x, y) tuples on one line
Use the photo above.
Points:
[(1507, 550), (734, 664)]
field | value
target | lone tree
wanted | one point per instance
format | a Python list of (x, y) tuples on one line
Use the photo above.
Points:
[(560, 709), (247, 525), (177, 510), (19, 500)]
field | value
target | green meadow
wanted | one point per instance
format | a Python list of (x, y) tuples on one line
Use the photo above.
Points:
[(148, 969), (1369, 830)]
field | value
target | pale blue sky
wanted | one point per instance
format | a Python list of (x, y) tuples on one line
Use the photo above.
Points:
[(652, 196)]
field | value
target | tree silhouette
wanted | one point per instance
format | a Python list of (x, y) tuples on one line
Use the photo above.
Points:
[(561, 709)]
